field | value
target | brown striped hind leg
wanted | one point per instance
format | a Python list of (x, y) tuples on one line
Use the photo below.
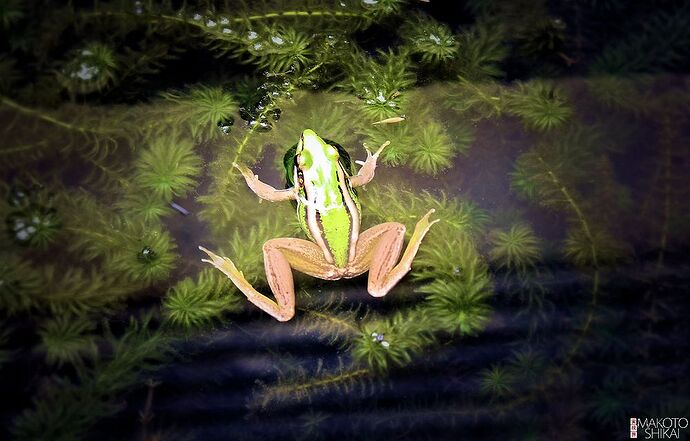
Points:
[(378, 250), (280, 257)]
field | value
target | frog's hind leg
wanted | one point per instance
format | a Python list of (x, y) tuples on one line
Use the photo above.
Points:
[(378, 250), (280, 256)]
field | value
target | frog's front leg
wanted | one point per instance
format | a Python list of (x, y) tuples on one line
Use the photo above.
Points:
[(366, 173), (378, 250), (263, 190), (280, 257)]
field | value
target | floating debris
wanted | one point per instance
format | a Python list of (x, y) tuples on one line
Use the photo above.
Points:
[(179, 208), (392, 120)]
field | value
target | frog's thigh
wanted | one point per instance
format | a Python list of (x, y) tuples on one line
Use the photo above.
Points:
[(378, 250), (301, 255)]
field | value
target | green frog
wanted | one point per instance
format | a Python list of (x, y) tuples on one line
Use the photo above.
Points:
[(322, 183)]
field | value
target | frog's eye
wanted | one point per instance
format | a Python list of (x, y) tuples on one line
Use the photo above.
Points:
[(304, 160), (331, 151)]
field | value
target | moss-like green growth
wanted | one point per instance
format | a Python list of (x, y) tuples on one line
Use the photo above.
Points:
[(515, 249), (91, 68), (168, 167), (541, 106), (198, 111), (146, 258), (432, 150), (481, 53), (432, 40), (380, 84), (497, 381), (387, 343), (194, 304), (67, 339), (460, 305)]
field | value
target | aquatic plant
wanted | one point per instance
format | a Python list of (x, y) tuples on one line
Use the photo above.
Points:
[(197, 303), (515, 249), (433, 150), (380, 83), (198, 111), (541, 106), (67, 408), (66, 339), (460, 305), (481, 53), (433, 41), (648, 48), (497, 381), (383, 344), (91, 68), (10, 12), (167, 167)]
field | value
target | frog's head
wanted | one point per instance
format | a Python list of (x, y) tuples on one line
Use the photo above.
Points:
[(315, 161), (313, 153)]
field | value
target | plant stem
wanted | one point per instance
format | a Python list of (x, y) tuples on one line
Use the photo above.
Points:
[(46, 117), (333, 319), (595, 277)]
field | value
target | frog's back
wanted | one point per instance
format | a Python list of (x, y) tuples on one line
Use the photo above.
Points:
[(330, 218)]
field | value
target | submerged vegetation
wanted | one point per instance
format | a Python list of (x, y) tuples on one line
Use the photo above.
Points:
[(114, 168)]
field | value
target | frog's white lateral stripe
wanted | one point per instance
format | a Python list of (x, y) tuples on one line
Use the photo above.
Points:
[(314, 224), (351, 208)]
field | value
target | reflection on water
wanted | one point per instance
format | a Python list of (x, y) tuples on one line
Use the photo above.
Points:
[(548, 303)]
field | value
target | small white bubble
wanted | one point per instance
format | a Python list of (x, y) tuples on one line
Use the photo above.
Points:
[(252, 35), (31, 229), (87, 72), (22, 235), (370, 2), (227, 31), (210, 23), (435, 38), (257, 46), (224, 20), (381, 98), (277, 40), (196, 17)]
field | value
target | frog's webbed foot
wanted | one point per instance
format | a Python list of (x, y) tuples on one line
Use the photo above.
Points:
[(378, 250), (223, 264), (366, 173)]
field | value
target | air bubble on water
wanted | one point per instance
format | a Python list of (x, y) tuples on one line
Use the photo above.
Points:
[(227, 31), (381, 98), (370, 2), (224, 20), (252, 35), (31, 229), (86, 72), (86, 52), (19, 224), (210, 23), (435, 38), (22, 235), (277, 40), (257, 46), (196, 16)]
